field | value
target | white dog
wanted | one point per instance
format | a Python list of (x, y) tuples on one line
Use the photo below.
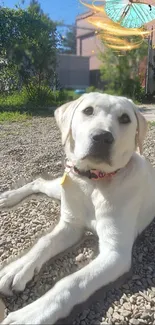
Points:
[(107, 188)]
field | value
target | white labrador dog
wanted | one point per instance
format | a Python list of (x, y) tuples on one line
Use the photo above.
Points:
[(108, 188)]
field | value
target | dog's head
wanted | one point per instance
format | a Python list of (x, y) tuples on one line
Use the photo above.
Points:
[(101, 131)]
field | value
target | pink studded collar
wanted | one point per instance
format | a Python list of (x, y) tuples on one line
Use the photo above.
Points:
[(93, 174)]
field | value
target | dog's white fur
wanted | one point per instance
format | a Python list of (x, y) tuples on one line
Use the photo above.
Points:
[(116, 209)]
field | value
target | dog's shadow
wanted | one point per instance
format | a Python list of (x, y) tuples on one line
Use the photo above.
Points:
[(140, 281)]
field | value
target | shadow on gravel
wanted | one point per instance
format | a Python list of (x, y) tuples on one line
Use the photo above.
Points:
[(144, 109)]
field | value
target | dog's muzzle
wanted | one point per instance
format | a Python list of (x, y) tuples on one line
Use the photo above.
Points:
[(101, 144)]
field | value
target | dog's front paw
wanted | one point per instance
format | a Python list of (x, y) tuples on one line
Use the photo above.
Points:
[(40, 312), (15, 275), (25, 316), (8, 199)]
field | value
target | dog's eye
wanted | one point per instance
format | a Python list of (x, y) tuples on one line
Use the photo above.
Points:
[(88, 111), (124, 119)]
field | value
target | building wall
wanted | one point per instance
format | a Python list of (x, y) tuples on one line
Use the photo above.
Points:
[(73, 71), (87, 42)]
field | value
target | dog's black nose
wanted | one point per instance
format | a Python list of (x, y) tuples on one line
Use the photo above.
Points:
[(103, 137)]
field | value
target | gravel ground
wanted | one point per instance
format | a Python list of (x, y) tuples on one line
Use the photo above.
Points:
[(31, 148)]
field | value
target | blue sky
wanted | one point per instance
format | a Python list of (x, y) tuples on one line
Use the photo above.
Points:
[(65, 10)]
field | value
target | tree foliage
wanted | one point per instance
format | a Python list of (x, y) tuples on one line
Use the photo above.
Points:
[(122, 71), (28, 42), (69, 41)]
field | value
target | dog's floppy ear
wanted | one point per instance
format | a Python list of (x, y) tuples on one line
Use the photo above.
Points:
[(64, 116), (142, 126), (142, 130)]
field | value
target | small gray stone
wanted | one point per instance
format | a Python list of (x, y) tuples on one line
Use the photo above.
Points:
[(127, 306), (91, 315), (79, 258), (84, 314), (116, 316), (126, 313), (126, 286), (25, 297), (132, 300), (134, 321), (135, 277), (145, 315), (83, 322), (38, 228), (110, 311), (140, 257), (149, 281)]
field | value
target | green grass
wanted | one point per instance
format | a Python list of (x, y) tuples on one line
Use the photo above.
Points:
[(151, 123), (14, 100), (71, 94), (18, 105), (14, 117), (33, 101)]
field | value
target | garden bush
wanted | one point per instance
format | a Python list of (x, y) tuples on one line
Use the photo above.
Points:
[(35, 99)]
